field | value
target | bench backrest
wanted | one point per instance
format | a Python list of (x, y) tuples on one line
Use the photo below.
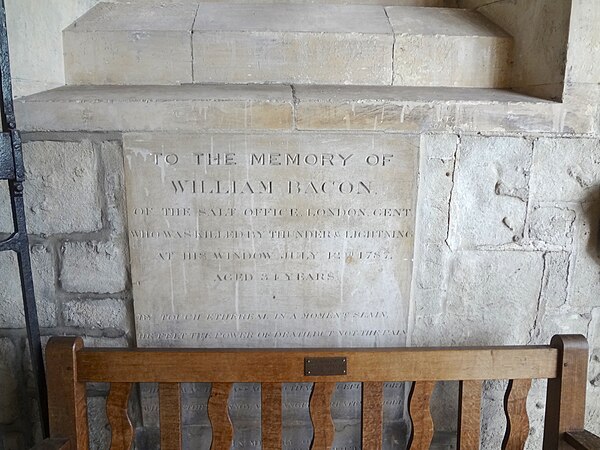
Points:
[(564, 363)]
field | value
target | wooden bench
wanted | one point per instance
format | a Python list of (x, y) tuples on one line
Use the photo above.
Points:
[(564, 363)]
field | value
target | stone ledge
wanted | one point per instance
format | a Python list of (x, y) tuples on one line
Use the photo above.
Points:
[(279, 108), (157, 108)]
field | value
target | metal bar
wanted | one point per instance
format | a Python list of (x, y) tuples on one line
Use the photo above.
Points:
[(7, 161), (19, 241)]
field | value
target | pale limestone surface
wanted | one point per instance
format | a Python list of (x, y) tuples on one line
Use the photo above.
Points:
[(155, 108), (127, 44), (548, 279), (476, 53), (103, 313), (541, 30), (61, 192), (302, 255), (105, 259), (489, 209), (324, 44), (406, 109), (11, 303), (575, 168), (233, 107)]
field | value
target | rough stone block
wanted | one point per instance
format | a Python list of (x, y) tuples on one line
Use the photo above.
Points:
[(108, 313), (61, 189), (156, 108), (111, 154), (551, 225), (584, 281), (584, 43), (426, 36), (11, 303), (316, 44), (566, 170), (435, 186), (98, 267), (489, 198), (486, 291), (555, 284), (130, 44)]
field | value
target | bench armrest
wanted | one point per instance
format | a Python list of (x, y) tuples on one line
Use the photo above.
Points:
[(582, 440), (53, 444)]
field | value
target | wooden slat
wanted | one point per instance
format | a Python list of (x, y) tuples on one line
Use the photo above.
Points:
[(372, 416), (582, 440), (517, 420), (469, 415), (565, 396), (320, 415), (279, 366), (170, 416), (420, 414), (67, 402), (118, 416), (218, 414), (271, 421)]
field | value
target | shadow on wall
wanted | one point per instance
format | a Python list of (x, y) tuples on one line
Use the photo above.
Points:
[(591, 210)]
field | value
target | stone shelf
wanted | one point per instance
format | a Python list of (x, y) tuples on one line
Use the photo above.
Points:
[(289, 108), (158, 43)]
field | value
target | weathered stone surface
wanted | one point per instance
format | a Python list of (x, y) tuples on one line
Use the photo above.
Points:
[(436, 182), (541, 32), (424, 109), (130, 44), (321, 44), (98, 423), (93, 267), (61, 191), (268, 107), (156, 108), (11, 303), (573, 165), (114, 186), (486, 291), (310, 246), (551, 225), (489, 198), (426, 36), (108, 313), (9, 409), (555, 284), (593, 400), (584, 43), (584, 282)]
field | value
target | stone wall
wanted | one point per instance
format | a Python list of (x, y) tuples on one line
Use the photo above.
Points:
[(507, 240), (507, 253)]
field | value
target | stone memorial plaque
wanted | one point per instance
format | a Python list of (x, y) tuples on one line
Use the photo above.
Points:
[(271, 240)]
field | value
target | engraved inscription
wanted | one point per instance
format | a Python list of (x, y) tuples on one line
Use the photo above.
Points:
[(298, 239)]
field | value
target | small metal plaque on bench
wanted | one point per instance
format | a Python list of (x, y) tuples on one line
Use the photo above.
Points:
[(314, 367)]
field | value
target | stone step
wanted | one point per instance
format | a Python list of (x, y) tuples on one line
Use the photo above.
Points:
[(156, 43), (280, 108)]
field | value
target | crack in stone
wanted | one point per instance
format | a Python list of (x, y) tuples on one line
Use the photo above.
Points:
[(295, 103), (540, 307), (192, 40), (393, 45), (458, 144)]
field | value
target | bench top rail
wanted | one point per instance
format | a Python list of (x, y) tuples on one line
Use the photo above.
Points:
[(272, 366)]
